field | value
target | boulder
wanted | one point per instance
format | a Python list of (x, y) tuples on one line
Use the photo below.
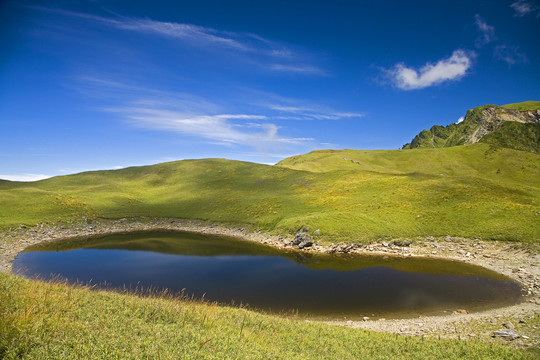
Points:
[(305, 244), (302, 237)]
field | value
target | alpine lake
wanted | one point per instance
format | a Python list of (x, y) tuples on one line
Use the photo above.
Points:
[(235, 272)]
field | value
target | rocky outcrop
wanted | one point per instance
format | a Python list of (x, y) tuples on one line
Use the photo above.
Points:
[(302, 239), (512, 128)]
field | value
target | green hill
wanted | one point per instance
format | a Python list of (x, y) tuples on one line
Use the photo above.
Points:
[(523, 106), (515, 126), (350, 195)]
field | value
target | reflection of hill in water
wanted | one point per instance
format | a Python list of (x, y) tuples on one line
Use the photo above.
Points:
[(194, 244)]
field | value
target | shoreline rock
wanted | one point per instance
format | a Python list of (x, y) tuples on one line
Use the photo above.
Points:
[(515, 261)]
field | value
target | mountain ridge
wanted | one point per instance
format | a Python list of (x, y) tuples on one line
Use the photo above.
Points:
[(515, 126)]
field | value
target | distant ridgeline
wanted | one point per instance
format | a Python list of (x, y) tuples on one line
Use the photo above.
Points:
[(514, 126)]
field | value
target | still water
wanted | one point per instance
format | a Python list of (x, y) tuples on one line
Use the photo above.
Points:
[(233, 271)]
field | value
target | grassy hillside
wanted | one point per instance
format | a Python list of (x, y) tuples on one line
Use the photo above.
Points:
[(523, 106), (75, 323), (350, 195), (514, 135), (486, 121)]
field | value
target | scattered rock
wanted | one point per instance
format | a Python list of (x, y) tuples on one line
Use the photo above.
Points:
[(508, 325), (317, 232), (305, 244), (402, 243), (365, 318), (508, 335), (461, 311), (301, 237)]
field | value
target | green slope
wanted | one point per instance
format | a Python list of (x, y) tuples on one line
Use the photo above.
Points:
[(503, 125), (514, 135), (351, 195), (523, 106)]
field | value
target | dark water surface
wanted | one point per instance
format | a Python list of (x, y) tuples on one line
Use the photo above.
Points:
[(229, 270)]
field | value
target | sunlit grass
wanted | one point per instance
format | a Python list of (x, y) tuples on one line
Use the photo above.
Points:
[(56, 321), (470, 191), (473, 191)]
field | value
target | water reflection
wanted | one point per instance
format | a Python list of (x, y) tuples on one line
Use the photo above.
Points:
[(229, 270)]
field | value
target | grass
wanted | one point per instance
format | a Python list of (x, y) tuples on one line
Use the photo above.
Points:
[(523, 106), (350, 195), (477, 191), (515, 135), (52, 321), (519, 136)]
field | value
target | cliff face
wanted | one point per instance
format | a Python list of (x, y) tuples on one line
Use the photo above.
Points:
[(506, 126)]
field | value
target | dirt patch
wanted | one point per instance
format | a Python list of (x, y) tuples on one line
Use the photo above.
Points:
[(518, 261)]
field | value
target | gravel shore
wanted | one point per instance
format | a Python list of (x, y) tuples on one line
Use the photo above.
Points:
[(520, 262)]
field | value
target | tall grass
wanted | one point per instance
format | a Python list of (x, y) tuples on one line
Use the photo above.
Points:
[(55, 321)]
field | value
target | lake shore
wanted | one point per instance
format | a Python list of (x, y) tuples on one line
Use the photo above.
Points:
[(514, 260)]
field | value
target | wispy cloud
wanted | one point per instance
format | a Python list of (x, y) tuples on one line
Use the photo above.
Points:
[(307, 112), (299, 69), (251, 118), (23, 177), (449, 69), (223, 129), (487, 32), (509, 54), (190, 115), (524, 7), (506, 53), (264, 53)]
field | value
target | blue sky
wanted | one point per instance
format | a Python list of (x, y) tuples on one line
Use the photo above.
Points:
[(108, 84)]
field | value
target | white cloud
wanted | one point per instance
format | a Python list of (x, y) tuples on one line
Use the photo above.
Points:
[(487, 32), (254, 49), (509, 54), (285, 108), (24, 177), (460, 120), (306, 112), (249, 118), (452, 68), (524, 7), (299, 69), (218, 128)]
